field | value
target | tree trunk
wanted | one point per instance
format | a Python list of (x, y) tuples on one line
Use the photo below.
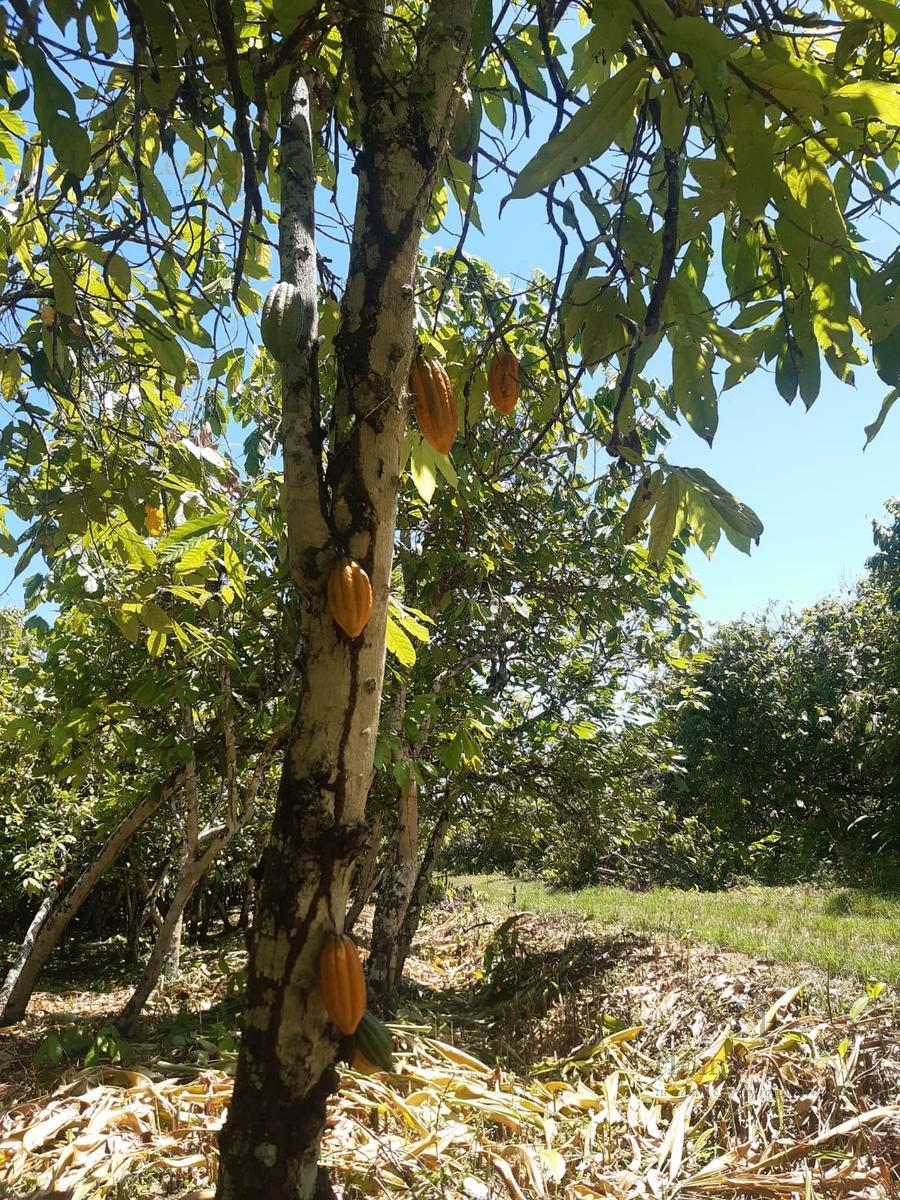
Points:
[(285, 1074), (33, 933), (367, 873), (420, 891), (187, 881), (20, 980), (393, 901), (172, 967), (194, 865)]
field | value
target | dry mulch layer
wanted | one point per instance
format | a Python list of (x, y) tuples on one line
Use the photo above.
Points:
[(537, 1058)]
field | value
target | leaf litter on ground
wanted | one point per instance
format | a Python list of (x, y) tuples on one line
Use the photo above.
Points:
[(536, 1059)]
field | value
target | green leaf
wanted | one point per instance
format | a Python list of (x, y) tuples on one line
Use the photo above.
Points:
[(156, 642), (195, 557), (11, 375), (155, 617), (692, 381), (787, 379), (235, 570), (887, 404), (118, 275), (641, 503), (883, 11), (398, 643), (191, 528), (422, 468), (63, 287), (589, 134), (852, 37), (482, 27), (287, 13), (886, 357), (168, 353), (698, 37), (753, 157), (56, 115), (11, 127), (664, 520), (795, 86), (103, 15), (868, 98), (51, 96), (736, 516)]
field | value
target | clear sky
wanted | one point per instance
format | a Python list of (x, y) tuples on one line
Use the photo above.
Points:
[(805, 474)]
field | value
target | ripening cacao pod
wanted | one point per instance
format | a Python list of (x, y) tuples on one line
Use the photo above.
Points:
[(503, 381), (283, 321), (434, 403), (359, 1063), (372, 1046), (153, 519), (350, 597), (341, 982)]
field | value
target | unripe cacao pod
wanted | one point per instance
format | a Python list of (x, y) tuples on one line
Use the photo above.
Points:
[(466, 127), (503, 381), (341, 982), (284, 320), (372, 1046), (434, 403), (350, 597)]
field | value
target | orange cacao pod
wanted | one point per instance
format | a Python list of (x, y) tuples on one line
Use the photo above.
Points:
[(503, 381), (341, 982), (350, 597), (434, 403)]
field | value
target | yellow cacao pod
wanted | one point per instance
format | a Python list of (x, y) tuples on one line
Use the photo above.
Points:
[(153, 520), (503, 381), (434, 403), (350, 597), (341, 982)]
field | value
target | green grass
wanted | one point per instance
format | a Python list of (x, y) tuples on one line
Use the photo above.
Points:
[(839, 931)]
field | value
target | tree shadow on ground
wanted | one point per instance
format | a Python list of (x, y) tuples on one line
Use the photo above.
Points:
[(543, 989)]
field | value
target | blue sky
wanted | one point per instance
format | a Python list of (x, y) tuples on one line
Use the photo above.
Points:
[(805, 474)]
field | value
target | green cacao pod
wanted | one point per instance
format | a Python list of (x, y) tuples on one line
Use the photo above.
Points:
[(466, 127), (284, 320), (373, 1043)]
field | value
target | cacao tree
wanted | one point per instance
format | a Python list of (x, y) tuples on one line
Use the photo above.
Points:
[(523, 604), (152, 153)]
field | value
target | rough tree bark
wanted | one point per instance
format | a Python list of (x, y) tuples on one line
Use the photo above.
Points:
[(172, 965), (366, 874), (420, 891), (401, 872), (195, 860), (399, 878), (20, 980), (38, 921), (270, 1144)]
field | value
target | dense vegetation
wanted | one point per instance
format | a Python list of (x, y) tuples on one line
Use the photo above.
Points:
[(771, 755)]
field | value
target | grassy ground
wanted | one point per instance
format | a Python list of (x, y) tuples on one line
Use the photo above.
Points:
[(840, 931)]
